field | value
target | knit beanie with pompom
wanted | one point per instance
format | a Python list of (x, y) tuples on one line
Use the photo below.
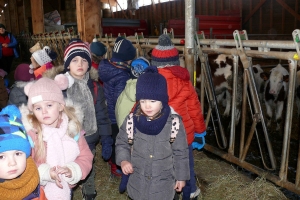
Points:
[(165, 53), (46, 89)]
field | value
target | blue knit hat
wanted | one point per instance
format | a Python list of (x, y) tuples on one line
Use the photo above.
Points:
[(123, 50), (165, 53), (12, 132), (138, 66), (98, 48), (77, 47), (152, 85)]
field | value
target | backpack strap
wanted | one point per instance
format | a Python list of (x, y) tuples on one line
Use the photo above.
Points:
[(174, 128), (129, 128), (95, 91)]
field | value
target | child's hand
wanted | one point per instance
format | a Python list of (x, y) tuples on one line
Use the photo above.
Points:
[(126, 167), (54, 176), (179, 185), (64, 170)]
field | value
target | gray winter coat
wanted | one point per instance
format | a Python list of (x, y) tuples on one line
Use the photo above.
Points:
[(157, 163), (17, 95)]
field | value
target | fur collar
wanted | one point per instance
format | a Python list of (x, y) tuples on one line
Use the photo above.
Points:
[(21, 83), (51, 73), (71, 126), (94, 74)]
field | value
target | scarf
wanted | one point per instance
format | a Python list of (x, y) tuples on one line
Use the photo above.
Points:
[(81, 95), (152, 127), (61, 149), (23, 186)]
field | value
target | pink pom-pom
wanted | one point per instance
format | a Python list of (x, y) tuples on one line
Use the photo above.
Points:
[(2, 73), (62, 81), (27, 88)]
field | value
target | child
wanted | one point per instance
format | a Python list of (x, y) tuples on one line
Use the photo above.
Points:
[(126, 100), (23, 75), (183, 98), (157, 166), (3, 90), (89, 94), (114, 73), (41, 61), (19, 177), (60, 150), (98, 50)]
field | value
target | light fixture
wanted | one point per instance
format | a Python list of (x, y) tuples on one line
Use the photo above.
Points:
[(5, 4), (2, 11)]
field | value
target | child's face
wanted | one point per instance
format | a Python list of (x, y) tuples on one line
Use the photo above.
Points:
[(78, 67), (12, 164), (34, 63), (150, 107), (47, 112)]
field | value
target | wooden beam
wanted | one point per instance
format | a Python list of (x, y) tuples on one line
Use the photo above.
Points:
[(37, 13), (80, 25), (289, 9), (122, 10), (282, 20), (271, 14), (296, 9), (254, 10)]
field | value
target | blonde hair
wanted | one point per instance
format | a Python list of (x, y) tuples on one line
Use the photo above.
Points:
[(40, 149)]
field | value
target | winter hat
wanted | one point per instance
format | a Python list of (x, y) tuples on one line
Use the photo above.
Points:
[(138, 66), (12, 132), (44, 56), (98, 48), (46, 89), (152, 85), (77, 47), (2, 26), (123, 49), (164, 53), (24, 73)]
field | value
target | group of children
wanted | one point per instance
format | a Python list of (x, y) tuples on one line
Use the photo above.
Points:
[(147, 118)]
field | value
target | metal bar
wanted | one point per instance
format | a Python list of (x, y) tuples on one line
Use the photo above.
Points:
[(288, 120), (243, 117), (275, 179)]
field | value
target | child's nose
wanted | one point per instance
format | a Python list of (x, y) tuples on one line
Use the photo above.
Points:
[(12, 161), (44, 110)]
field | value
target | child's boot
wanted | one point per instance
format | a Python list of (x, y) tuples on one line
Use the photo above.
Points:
[(114, 169)]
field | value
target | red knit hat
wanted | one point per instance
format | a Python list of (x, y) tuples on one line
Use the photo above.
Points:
[(165, 53)]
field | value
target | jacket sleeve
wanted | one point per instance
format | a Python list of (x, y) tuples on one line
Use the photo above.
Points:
[(85, 158), (181, 155), (103, 121), (119, 86), (195, 111), (13, 42), (122, 146)]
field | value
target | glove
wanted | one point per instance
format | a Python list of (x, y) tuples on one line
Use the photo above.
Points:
[(107, 142), (199, 141), (123, 183)]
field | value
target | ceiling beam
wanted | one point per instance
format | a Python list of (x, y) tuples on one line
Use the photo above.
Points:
[(253, 11)]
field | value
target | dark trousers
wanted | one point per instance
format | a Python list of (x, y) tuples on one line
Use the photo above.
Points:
[(5, 63), (115, 131)]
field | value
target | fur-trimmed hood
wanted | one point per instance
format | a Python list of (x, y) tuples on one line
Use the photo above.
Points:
[(72, 125)]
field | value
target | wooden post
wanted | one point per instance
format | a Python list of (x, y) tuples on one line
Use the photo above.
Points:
[(88, 19), (37, 16)]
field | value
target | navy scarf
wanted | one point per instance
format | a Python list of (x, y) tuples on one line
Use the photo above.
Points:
[(152, 127)]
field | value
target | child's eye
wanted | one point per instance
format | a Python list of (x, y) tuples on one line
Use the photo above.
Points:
[(84, 60), (38, 108), (142, 101), (153, 101), (1, 157), (49, 105), (19, 153), (74, 60)]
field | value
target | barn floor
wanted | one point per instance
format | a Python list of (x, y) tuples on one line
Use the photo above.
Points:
[(217, 180)]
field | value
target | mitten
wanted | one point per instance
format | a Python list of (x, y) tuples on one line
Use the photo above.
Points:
[(199, 141), (106, 141), (123, 183)]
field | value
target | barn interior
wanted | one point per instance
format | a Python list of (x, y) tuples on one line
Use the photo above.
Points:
[(251, 32)]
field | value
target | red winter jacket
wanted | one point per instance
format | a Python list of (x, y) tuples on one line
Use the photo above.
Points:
[(183, 98)]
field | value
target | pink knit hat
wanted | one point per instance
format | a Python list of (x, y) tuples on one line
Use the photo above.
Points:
[(46, 89)]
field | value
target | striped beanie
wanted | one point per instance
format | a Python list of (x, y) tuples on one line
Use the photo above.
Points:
[(164, 53), (77, 47), (123, 50)]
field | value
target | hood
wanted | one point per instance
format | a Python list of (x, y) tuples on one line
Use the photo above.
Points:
[(179, 72), (51, 73), (107, 71), (72, 125)]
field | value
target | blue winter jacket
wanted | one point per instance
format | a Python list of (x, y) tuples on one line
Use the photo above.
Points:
[(114, 81), (13, 44)]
